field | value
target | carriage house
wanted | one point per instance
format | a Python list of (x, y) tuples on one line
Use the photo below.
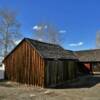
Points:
[(40, 64), (90, 59)]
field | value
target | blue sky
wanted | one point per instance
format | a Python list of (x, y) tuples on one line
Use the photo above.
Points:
[(79, 18)]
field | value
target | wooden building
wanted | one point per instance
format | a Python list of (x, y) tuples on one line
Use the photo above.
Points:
[(90, 59), (40, 64)]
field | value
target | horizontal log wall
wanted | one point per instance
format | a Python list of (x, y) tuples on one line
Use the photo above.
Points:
[(25, 65)]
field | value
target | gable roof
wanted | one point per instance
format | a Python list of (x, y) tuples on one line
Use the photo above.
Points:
[(52, 51), (88, 55), (48, 50)]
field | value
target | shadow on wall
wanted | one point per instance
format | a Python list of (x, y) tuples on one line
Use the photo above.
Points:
[(82, 82)]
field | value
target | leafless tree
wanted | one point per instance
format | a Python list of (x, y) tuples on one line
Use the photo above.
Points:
[(48, 33), (53, 34), (9, 29), (98, 39)]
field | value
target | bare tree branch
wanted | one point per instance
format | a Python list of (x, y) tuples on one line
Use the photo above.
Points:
[(48, 33), (9, 29), (98, 39)]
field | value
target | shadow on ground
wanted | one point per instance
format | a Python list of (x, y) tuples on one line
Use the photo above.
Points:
[(82, 82)]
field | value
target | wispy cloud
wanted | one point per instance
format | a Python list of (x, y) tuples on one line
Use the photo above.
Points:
[(76, 44), (40, 39), (39, 27), (62, 31)]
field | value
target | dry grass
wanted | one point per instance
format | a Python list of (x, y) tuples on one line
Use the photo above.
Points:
[(88, 88)]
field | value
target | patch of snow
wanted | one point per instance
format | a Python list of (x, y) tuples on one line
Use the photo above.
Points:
[(32, 95), (47, 91)]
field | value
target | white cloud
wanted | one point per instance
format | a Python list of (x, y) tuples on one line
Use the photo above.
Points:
[(76, 44), (38, 27), (45, 26), (62, 31), (17, 42), (40, 39)]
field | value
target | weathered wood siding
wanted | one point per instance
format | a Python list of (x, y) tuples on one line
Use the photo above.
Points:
[(88, 66), (58, 72), (96, 66), (92, 66), (84, 68), (25, 65)]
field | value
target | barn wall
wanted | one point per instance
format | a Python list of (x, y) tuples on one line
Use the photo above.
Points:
[(89, 67), (25, 65), (96, 66), (93, 66), (58, 72), (84, 68)]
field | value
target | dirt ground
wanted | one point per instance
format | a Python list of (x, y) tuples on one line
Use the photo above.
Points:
[(86, 88)]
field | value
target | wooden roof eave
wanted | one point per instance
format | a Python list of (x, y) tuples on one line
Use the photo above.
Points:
[(34, 48), (61, 59), (25, 39), (13, 50)]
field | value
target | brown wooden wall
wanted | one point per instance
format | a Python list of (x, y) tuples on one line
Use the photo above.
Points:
[(59, 71), (25, 65)]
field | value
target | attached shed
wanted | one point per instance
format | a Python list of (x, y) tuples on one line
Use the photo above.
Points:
[(90, 59), (40, 64)]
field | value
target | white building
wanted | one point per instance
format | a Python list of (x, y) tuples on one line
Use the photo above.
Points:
[(2, 68)]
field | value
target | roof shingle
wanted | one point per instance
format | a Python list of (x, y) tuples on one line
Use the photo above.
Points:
[(48, 50), (88, 55)]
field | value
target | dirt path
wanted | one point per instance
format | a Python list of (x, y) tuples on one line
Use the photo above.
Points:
[(88, 88)]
